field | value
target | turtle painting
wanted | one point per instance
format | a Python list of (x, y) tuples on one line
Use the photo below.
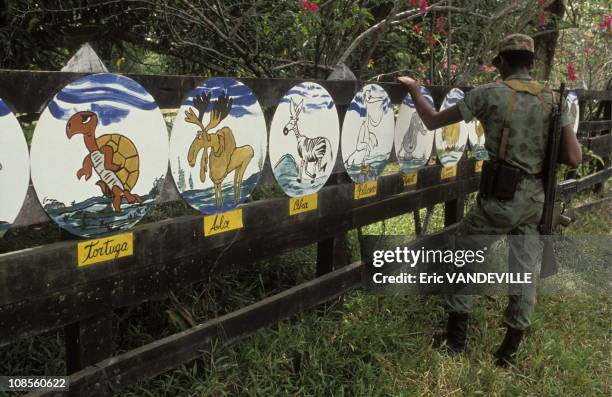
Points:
[(99, 155), (113, 157)]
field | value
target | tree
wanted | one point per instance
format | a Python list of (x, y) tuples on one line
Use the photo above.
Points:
[(281, 38)]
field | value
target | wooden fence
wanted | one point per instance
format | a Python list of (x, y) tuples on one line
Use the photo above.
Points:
[(43, 289)]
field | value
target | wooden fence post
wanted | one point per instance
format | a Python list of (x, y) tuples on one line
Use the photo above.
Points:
[(607, 115), (332, 254), (88, 341), (453, 211)]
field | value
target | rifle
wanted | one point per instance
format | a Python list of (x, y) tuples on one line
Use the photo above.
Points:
[(549, 262)]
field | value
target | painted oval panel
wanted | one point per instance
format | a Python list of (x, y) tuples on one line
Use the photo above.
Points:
[(14, 167), (218, 145), (367, 133), (99, 155), (476, 137), (304, 139), (574, 108), (413, 141), (451, 140)]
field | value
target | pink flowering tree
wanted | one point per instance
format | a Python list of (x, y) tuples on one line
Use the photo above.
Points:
[(583, 56)]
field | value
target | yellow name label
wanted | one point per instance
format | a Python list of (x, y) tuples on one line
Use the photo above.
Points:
[(448, 172), (223, 222), (410, 179), (366, 189), (105, 249), (298, 205), (478, 166)]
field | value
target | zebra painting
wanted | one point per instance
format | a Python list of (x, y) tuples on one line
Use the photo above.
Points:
[(316, 150)]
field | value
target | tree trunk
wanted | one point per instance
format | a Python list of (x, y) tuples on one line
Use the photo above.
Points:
[(546, 43)]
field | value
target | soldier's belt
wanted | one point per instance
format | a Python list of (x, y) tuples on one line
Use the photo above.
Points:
[(499, 180)]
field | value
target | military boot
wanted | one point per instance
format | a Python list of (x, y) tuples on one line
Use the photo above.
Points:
[(507, 350), (456, 330)]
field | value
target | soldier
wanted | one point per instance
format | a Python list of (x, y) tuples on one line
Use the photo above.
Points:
[(515, 115)]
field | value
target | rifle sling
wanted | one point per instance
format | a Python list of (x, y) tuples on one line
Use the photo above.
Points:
[(530, 87)]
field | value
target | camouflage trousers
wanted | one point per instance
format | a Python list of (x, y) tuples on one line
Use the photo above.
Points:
[(490, 219)]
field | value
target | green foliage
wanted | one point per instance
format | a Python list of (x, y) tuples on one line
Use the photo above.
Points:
[(278, 38)]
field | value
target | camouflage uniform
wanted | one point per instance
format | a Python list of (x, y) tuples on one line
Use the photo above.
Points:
[(525, 150)]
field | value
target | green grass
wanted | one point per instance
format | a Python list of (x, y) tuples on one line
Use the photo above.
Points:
[(359, 345)]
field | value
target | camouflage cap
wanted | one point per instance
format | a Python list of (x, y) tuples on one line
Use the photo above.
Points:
[(516, 41)]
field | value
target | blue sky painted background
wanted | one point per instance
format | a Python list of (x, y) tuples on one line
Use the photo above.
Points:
[(357, 104), (453, 96), (111, 96), (408, 99), (315, 96), (242, 95), (4, 109)]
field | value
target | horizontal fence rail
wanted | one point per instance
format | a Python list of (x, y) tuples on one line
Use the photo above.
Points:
[(64, 293)]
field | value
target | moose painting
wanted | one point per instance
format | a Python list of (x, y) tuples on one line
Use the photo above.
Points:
[(218, 145)]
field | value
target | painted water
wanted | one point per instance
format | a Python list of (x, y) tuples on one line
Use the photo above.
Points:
[(480, 153), (4, 227), (412, 164), (287, 171), (96, 217), (373, 167), (203, 200), (449, 158)]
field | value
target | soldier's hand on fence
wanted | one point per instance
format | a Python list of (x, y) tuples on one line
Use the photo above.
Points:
[(407, 81)]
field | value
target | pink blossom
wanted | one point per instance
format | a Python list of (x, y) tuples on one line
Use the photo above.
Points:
[(424, 5), (606, 23), (413, 2), (571, 71), (487, 68), (542, 18), (417, 29), (309, 6), (441, 25)]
